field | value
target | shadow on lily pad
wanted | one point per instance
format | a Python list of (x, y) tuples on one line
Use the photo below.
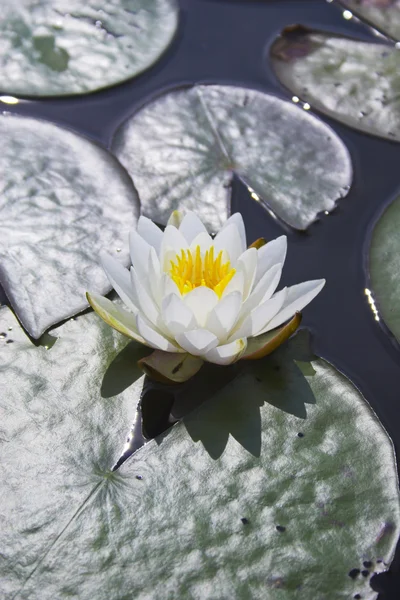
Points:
[(124, 370), (235, 410)]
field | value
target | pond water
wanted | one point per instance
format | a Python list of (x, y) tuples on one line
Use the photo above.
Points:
[(227, 42)]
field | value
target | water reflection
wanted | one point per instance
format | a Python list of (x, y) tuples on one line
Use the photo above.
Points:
[(372, 303)]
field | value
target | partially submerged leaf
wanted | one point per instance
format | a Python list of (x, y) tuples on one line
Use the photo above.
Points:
[(183, 148), (382, 14), (272, 513), (63, 199), (354, 82), (170, 367), (384, 265), (59, 47)]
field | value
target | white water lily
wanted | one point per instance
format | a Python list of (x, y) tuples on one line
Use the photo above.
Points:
[(195, 298)]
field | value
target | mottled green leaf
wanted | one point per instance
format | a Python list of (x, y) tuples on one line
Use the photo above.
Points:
[(252, 510), (384, 264), (183, 148), (382, 14), (354, 82), (59, 47), (62, 199)]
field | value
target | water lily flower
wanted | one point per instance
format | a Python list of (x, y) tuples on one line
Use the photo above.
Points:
[(195, 298)]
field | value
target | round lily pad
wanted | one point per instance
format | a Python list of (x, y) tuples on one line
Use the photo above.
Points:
[(385, 266), (282, 484), (384, 15), (354, 82), (59, 47), (183, 149), (63, 199)]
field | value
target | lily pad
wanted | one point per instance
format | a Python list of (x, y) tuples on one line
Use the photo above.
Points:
[(183, 149), (384, 15), (59, 47), (354, 82), (63, 199), (384, 266), (285, 507)]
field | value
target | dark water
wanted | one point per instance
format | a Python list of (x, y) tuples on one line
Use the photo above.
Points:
[(227, 42)]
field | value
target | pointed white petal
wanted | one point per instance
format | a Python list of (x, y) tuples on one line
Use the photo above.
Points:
[(152, 337), (247, 263), (260, 316), (203, 240), (201, 301), (197, 341), (147, 305), (120, 280), (236, 284), (263, 290), (271, 254), (139, 251), (170, 367), (224, 316), (191, 227), (116, 316), (298, 296), (150, 233), (228, 239), (173, 241), (237, 220), (176, 316), (226, 354), (154, 277)]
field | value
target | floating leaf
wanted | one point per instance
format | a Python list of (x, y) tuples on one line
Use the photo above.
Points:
[(63, 199), (290, 504), (382, 14), (59, 47), (385, 266), (354, 82), (183, 148)]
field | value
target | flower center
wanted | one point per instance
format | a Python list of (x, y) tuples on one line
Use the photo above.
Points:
[(190, 270)]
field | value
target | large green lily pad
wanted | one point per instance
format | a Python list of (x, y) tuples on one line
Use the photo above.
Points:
[(385, 267), (354, 82), (261, 513), (382, 14), (62, 47), (183, 149), (62, 200)]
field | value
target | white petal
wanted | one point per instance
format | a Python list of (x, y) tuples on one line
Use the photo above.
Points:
[(175, 218), (176, 315), (173, 241), (197, 341), (271, 254), (152, 337), (263, 290), (150, 233), (147, 305), (298, 296), (120, 280), (154, 277), (236, 284), (247, 263), (260, 316), (116, 316), (201, 300), (169, 286), (226, 354), (224, 316), (229, 239), (237, 220), (203, 240), (191, 226), (139, 250)]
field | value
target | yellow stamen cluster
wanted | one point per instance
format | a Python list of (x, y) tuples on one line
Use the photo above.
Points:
[(190, 270)]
